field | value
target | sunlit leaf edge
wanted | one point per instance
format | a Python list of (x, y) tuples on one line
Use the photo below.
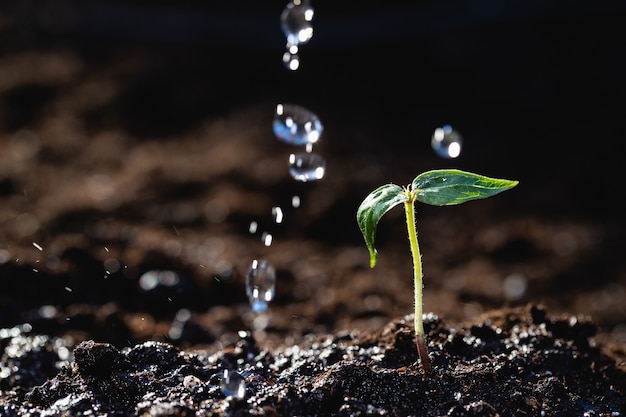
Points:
[(453, 186)]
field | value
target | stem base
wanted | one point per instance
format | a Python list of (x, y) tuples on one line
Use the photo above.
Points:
[(422, 351)]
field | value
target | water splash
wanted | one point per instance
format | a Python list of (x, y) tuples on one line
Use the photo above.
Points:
[(296, 125), (260, 284), (446, 142), (233, 385), (306, 166)]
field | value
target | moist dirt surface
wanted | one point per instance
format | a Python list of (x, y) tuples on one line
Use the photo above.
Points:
[(139, 173)]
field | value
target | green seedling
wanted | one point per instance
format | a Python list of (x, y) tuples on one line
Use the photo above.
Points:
[(438, 188)]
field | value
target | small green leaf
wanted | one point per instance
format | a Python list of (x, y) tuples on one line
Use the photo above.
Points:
[(375, 205), (452, 186)]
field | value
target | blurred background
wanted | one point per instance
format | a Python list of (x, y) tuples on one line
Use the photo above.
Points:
[(137, 137)]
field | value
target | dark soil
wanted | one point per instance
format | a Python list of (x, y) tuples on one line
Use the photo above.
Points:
[(508, 363), (137, 139)]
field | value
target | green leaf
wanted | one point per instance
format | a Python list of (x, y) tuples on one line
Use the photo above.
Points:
[(452, 186), (375, 205)]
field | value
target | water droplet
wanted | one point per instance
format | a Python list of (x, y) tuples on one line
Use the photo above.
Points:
[(277, 214), (253, 227), (446, 142), (111, 265), (267, 239), (296, 22), (291, 60), (260, 284), (296, 125), (233, 385), (514, 286), (47, 311), (295, 201), (307, 166), (153, 278)]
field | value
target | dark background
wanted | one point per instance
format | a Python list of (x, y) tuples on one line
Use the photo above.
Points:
[(536, 88)]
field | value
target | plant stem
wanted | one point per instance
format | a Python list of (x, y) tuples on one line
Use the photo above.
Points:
[(420, 338)]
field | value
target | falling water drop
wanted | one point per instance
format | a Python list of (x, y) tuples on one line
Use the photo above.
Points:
[(233, 385), (295, 201), (446, 142), (252, 228), (277, 214), (267, 239), (291, 59), (296, 22), (307, 167), (296, 125), (260, 284)]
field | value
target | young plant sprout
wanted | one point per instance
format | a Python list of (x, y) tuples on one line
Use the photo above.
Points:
[(438, 188)]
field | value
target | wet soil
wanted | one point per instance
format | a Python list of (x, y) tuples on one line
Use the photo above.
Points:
[(507, 363), (130, 154)]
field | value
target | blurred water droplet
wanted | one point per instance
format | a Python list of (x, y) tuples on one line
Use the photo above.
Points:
[(296, 125), (260, 323), (178, 324), (26, 224), (307, 166), (233, 385), (295, 201), (111, 265), (292, 49), (277, 214), (291, 60), (296, 22), (176, 330), (253, 227), (267, 238), (153, 278), (47, 311), (446, 142), (514, 286), (260, 284), (182, 315)]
